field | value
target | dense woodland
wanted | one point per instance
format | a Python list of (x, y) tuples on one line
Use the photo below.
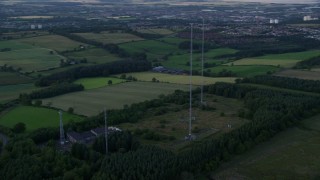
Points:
[(269, 111), (309, 63)]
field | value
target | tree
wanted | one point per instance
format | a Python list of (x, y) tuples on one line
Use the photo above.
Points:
[(70, 110), (19, 127), (109, 82), (38, 103)]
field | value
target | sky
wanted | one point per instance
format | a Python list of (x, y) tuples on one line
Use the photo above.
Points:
[(279, 1)]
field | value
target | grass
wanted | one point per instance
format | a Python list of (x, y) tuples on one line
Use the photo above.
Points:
[(175, 124), (154, 49), (180, 61), (9, 78), (55, 42), (107, 37), (91, 102), (282, 60), (93, 83), (246, 71), (11, 92), (160, 31), (291, 154), (14, 45), (94, 56), (35, 117), (34, 59), (179, 79), (301, 74)]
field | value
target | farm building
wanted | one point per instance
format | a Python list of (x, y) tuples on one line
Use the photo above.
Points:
[(88, 136)]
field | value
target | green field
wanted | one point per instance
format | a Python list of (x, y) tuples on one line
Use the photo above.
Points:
[(160, 31), (282, 60), (22, 34), (176, 123), (14, 45), (179, 79), (154, 49), (93, 83), (9, 78), (91, 102), (173, 40), (11, 92), (107, 37), (28, 60), (301, 74), (55, 42), (245, 71), (94, 56), (180, 61), (35, 117), (291, 154)]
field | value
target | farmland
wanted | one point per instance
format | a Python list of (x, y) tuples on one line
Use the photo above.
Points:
[(207, 123), (93, 83), (293, 154), (35, 117), (283, 60), (156, 31), (179, 79), (301, 74), (11, 92), (54, 42), (245, 71), (9, 78), (94, 56), (107, 37), (91, 102), (180, 61)]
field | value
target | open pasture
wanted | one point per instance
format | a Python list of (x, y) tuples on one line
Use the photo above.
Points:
[(94, 56), (11, 92), (283, 60), (93, 83), (91, 102), (54, 42), (108, 37), (9, 78), (301, 74), (245, 71), (35, 117), (160, 31), (178, 79), (291, 154)]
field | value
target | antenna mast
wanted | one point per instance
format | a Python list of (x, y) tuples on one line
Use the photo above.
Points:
[(202, 51), (190, 86), (62, 137), (106, 130)]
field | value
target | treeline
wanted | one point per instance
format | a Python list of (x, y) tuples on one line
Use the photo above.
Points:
[(52, 91), (285, 82), (94, 71), (309, 63)]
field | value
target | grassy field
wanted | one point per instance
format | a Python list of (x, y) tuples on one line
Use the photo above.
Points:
[(10, 92), (23, 34), (301, 74), (179, 79), (9, 78), (156, 31), (91, 102), (35, 117), (94, 56), (55, 42), (245, 71), (93, 83), (282, 60), (208, 123), (107, 37), (292, 154), (14, 45), (154, 49), (173, 40), (28, 60), (180, 61)]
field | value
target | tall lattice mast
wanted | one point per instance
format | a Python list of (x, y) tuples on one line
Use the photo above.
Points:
[(106, 129), (190, 86), (62, 137), (202, 59)]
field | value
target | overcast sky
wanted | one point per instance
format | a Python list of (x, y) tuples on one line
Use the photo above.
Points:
[(279, 1)]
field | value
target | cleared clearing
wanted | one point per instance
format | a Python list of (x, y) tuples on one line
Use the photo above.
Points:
[(282, 60), (91, 102), (108, 37), (301, 74), (179, 79)]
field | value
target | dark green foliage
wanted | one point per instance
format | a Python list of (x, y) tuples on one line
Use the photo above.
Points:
[(284, 82), (56, 90), (19, 127), (306, 64)]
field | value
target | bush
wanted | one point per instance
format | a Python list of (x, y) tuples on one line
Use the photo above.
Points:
[(19, 127)]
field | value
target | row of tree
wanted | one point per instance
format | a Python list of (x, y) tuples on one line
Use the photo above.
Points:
[(309, 63)]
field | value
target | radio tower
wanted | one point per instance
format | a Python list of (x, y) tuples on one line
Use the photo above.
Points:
[(190, 86), (202, 51), (106, 130), (62, 137)]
